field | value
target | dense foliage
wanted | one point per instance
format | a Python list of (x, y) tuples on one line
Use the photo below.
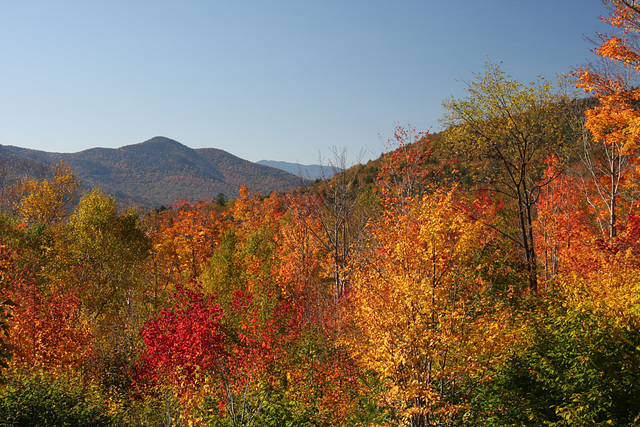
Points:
[(486, 276)]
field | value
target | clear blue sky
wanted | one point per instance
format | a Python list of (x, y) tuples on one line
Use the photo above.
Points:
[(264, 79)]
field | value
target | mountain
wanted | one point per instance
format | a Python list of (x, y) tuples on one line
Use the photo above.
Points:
[(162, 171), (304, 171)]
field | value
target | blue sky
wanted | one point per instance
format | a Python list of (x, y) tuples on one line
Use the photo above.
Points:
[(264, 79)]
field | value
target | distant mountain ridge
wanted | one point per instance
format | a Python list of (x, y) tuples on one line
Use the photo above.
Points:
[(304, 171), (162, 171)]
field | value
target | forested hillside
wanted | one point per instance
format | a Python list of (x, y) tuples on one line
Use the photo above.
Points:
[(486, 276)]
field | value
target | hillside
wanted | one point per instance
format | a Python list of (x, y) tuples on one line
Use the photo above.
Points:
[(162, 171)]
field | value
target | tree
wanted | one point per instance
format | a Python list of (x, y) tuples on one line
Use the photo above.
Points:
[(7, 275), (104, 257), (184, 338), (575, 363), (562, 228), (418, 312), (506, 128), (301, 272), (571, 367), (221, 199), (404, 171), (46, 331), (614, 123), (341, 216), (607, 186), (186, 239), (47, 201)]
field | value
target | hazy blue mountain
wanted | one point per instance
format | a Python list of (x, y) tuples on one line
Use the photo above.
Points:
[(162, 171), (304, 171)]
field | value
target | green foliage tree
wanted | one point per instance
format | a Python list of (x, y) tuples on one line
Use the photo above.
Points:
[(107, 253)]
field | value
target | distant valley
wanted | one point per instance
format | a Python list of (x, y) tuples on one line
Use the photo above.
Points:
[(157, 172)]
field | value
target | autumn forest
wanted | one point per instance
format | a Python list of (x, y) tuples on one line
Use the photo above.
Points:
[(485, 275)]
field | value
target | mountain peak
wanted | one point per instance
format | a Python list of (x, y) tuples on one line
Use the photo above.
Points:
[(162, 141)]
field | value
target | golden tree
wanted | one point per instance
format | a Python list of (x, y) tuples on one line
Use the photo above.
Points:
[(417, 309), (47, 201)]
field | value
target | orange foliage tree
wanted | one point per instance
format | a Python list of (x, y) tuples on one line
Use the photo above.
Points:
[(563, 227), (47, 331), (186, 238), (303, 261), (615, 122)]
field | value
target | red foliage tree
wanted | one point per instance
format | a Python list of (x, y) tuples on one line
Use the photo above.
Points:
[(184, 337)]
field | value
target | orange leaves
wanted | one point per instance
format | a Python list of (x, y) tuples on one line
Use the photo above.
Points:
[(622, 15), (618, 49), (251, 211), (46, 330), (617, 119), (188, 237), (614, 124), (303, 261)]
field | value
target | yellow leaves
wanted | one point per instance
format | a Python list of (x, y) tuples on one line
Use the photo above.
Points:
[(614, 295), (413, 303), (45, 201)]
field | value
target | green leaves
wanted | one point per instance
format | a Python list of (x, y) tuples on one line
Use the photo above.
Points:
[(570, 370), (38, 399)]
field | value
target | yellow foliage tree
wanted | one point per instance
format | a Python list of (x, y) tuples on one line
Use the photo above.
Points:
[(505, 128), (46, 201), (419, 318)]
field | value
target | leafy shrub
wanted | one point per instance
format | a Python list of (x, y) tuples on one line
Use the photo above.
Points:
[(574, 370), (38, 399)]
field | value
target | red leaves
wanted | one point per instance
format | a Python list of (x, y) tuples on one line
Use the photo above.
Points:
[(189, 336), (404, 173), (184, 337)]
